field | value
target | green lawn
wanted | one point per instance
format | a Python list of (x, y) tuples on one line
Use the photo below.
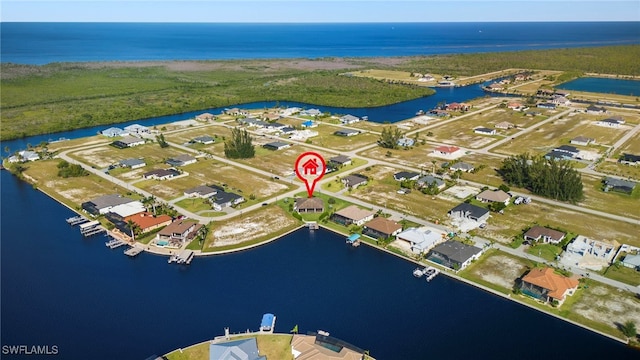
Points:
[(548, 252), (623, 274)]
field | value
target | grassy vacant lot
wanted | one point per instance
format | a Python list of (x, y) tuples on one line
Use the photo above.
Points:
[(103, 156), (279, 162), (274, 346), (497, 270), (610, 202), (560, 132), (622, 273)]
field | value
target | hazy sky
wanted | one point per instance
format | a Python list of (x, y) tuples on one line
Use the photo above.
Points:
[(318, 10)]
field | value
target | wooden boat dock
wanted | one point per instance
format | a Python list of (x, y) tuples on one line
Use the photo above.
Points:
[(184, 257), (133, 251), (91, 228), (114, 243), (76, 220)]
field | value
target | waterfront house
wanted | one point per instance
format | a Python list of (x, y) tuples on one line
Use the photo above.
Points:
[(381, 228), (127, 142), (24, 156), (223, 199), (311, 112), (632, 261), (595, 110), (548, 236), (340, 160), (137, 130), (236, 112), (544, 92), (428, 180), (489, 196), (467, 211), (454, 106), (276, 145), (346, 132), (290, 111), (447, 151), (146, 221), (202, 191), (561, 93), (484, 131), (545, 285), (352, 181), (182, 160), (581, 140), (349, 119), (205, 117), (547, 105), (454, 254), (496, 86), (205, 140), (630, 159), (113, 132), (612, 122), (103, 204), (504, 125), (588, 253), (128, 209), (246, 349), (619, 185), (406, 175), (179, 232), (132, 163), (161, 174), (421, 240), (352, 215), (560, 100), (309, 205), (462, 166)]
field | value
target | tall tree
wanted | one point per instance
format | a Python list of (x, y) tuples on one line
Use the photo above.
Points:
[(389, 138), (240, 145)]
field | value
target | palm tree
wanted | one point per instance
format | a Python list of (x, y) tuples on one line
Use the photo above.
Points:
[(434, 166), (134, 228), (629, 329)]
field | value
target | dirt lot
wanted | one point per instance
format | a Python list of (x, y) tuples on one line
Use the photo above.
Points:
[(500, 269), (607, 305), (250, 227)]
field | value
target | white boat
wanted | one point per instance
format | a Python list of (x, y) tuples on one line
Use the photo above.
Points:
[(430, 273), (418, 272), (445, 83)]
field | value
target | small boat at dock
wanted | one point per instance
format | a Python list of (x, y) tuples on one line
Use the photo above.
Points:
[(431, 272)]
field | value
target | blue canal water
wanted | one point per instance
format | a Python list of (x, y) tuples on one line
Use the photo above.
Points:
[(603, 85), (41, 43), (91, 302)]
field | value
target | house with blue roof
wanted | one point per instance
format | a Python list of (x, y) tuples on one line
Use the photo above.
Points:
[(309, 124), (246, 349), (405, 142)]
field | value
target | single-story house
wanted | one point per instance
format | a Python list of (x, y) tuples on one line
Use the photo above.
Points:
[(103, 204), (223, 199), (381, 228), (582, 140), (113, 132), (544, 92), (517, 106), (251, 122), (560, 100), (505, 125), (346, 132), (127, 142), (548, 106), (489, 196), (23, 156), (558, 155), (340, 160), (454, 254), (630, 159), (631, 261), (406, 175), (128, 209), (205, 139), (309, 124), (429, 179), (570, 150), (132, 163), (161, 174), (619, 185), (276, 126), (352, 215), (547, 235), (246, 349), (182, 160), (311, 112), (421, 240), (271, 117), (202, 191), (180, 230), (484, 131), (561, 93), (288, 130), (595, 110), (438, 113), (205, 117), (447, 151), (236, 112), (276, 145), (546, 285), (309, 205), (137, 129), (462, 166), (354, 180), (613, 122), (495, 86), (470, 212), (405, 142), (146, 221), (349, 119), (290, 111)]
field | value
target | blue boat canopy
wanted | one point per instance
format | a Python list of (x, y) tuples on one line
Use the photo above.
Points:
[(353, 237), (267, 320)]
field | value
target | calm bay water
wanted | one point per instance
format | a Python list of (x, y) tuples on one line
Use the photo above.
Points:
[(61, 289), (41, 43), (603, 85)]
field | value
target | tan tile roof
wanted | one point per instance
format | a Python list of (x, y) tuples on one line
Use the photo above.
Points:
[(383, 225), (494, 195), (537, 231), (354, 213), (547, 279)]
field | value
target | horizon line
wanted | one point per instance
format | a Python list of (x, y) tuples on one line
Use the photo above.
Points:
[(320, 22)]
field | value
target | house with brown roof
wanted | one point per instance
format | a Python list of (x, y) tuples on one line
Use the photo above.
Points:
[(146, 221), (489, 196), (354, 180), (179, 232), (309, 205), (205, 117), (547, 235), (352, 215), (447, 151), (161, 174), (505, 125), (381, 228), (546, 285)]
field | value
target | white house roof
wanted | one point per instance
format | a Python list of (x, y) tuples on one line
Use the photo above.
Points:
[(421, 238), (128, 209), (633, 260)]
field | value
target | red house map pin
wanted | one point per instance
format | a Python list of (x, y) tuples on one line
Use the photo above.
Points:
[(310, 168)]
